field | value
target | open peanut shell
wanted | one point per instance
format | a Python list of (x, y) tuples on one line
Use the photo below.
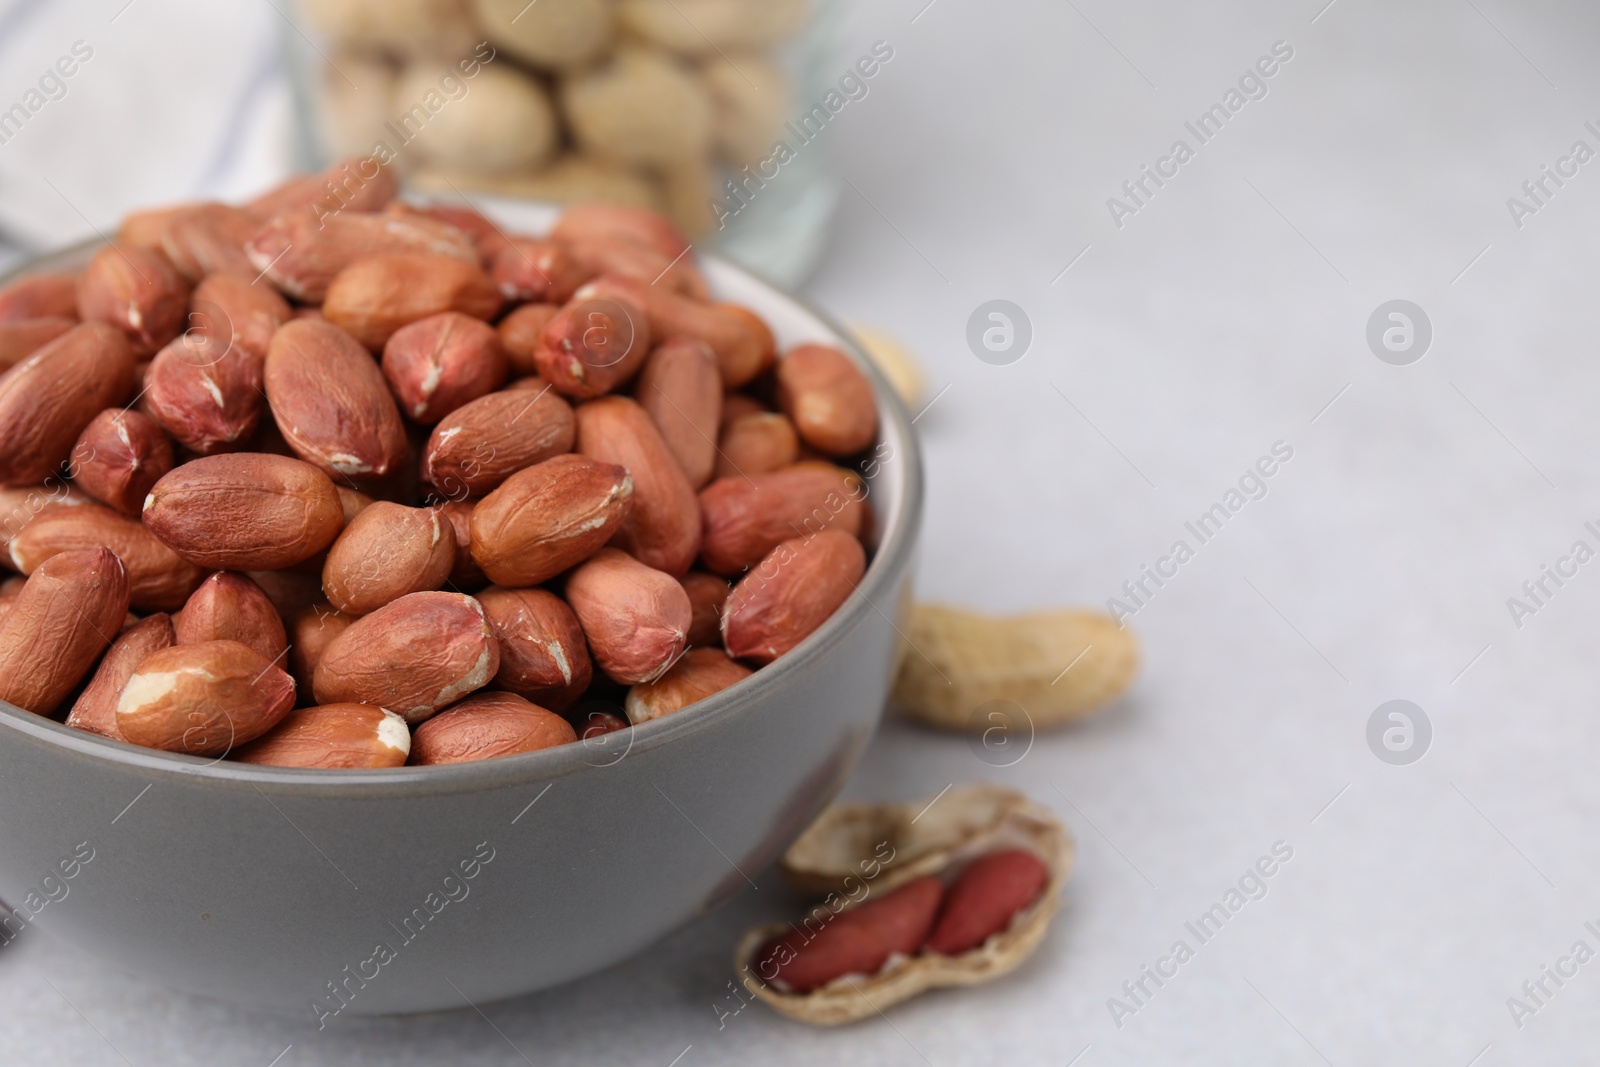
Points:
[(853, 842)]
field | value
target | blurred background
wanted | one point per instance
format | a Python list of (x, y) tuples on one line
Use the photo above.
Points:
[(1177, 331)]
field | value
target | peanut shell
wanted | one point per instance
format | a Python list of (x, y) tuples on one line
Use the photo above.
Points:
[(887, 846), (1057, 666)]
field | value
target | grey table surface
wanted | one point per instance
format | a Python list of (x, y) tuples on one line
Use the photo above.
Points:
[(1226, 314)]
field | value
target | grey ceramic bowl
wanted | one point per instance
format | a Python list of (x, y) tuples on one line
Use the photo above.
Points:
[(420, 888)]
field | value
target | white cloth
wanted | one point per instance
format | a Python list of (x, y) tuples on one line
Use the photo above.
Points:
[(176, 101)]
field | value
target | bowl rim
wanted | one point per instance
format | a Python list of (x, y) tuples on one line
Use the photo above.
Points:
[(899, 530)]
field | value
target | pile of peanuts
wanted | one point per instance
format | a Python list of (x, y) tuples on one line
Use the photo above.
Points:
[(637, 101), (383, 483)]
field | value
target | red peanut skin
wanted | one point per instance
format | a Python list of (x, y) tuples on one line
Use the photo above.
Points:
[(144, 228), (487, 725), (183, 385), (707, 594), (439, 363), (858, 940), (635, 617), (599, 723), (158, 578), (548, 518), (119, 457), (793, 591), (828, 399), (291, 591), (40, 296), (66, 615), (578, 352), (289, 508), (738, 405), (231, 306), (743, 344), (747, 517), (415, 656), (479, 445), (328, 736), (628, 258), (589, 220), (358, 183), (387, 551), (302, 255), (527, 269), (312, 629), (227, 694), (231, 607), (520, 332), (663, 530), (374, 297), (984, 897), (701, 673), (21, 506), (48, 399), (681, 388), (331, 401), (485, 234), (201, 239), (543, 655), (23, 337), (95, 711), (353, 502), (465, 576), (756, 443), (123, 279)]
